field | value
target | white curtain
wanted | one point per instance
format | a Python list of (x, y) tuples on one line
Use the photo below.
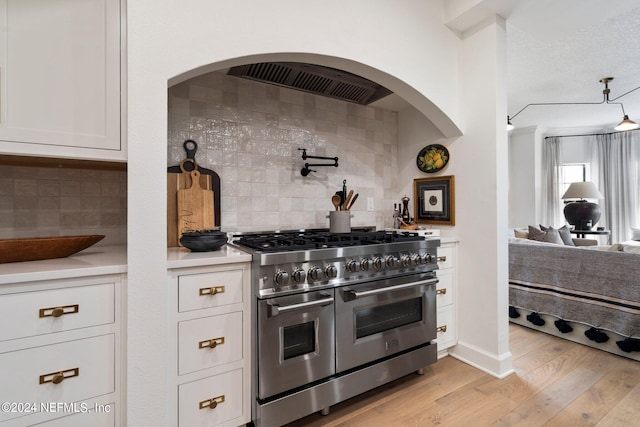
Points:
[(615, 169), (551, 161)]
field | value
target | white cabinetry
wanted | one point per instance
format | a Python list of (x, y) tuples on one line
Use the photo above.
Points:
[(60, 75), (209, 334), (60, 355), (446, 296)]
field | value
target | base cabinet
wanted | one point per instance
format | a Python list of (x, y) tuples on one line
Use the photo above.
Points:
[(61, 361), (446, 297), (213, 401), (210, 364)]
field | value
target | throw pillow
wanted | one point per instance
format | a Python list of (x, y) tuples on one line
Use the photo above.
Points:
[(564, 232), (550, 235), (635, 233), (521, 233)]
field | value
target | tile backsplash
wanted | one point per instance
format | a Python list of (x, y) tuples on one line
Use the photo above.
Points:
[(250, 133), (51, 201)]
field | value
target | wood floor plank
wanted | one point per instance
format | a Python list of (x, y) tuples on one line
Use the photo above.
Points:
[(625, 413), (551, 399), (557, 383), (597, 401)]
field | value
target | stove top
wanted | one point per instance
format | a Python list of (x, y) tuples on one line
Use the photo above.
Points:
[(272, 242)]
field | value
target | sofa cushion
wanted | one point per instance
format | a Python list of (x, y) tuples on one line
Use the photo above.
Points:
[(635, 233), (565, 234), (550, 235)]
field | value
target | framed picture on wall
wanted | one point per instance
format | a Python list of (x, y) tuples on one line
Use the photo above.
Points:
[(434, 200)]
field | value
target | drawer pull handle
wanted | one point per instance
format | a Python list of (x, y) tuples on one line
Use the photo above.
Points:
[(59, 311), (212, 290), (212, 403), (442, 291), (58, 377), (442, 258), (442, 329), (212, 343)]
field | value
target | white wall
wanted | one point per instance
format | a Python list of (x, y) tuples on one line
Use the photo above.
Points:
[(402, 45), (481, 203)]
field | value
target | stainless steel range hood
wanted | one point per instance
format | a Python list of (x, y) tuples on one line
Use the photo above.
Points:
[(314, 79)]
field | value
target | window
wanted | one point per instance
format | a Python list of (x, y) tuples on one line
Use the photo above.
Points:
[(573, 172)]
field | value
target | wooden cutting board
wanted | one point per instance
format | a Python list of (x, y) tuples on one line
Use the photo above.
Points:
[(195, 206), (176, 182)]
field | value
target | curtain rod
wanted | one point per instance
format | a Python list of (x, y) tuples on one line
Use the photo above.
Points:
[(588, 134)]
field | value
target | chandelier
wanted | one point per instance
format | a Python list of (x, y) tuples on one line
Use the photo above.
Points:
[(625, 124)]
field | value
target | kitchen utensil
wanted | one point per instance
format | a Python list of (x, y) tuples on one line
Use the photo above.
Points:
[(341, 195), (191, 147), (37, 248), (344, 193), (335, 199), (352, 201), (175, 182), (203, 240), (195, 206), (347, 201)]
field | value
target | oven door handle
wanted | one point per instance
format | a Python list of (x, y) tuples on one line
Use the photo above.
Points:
[(355, 294), (275, 309)]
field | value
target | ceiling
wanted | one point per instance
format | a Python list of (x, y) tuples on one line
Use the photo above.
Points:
[(557, 51)]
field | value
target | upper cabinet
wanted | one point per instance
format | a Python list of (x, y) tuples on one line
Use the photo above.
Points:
[(60, 78)]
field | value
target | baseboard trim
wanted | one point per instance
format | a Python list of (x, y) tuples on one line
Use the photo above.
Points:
[(499, 366)]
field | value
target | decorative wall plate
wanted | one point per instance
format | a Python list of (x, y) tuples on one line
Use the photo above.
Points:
[(432, 158)]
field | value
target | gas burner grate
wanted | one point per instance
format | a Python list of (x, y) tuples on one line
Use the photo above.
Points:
[(304, 240)]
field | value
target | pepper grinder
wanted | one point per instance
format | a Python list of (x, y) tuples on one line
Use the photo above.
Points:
[(406, 218)]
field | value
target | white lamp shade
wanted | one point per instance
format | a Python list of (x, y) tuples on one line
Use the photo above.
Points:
[(582, 190)]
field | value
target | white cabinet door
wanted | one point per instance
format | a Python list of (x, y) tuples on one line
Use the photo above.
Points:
[(60, 76)]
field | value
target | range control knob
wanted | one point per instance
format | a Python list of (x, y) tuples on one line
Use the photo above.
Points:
[(352, 266), (314, 273), (390, 261), (377, 263), (365, 263), (405, 260), (330, 272), (427, 258), (281, 278), (298, 275), (416, 259)]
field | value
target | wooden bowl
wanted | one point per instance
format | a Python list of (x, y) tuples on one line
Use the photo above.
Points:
[(39, 248)]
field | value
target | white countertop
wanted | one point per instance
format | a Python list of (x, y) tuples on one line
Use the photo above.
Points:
[(93, 261), (182, 257)]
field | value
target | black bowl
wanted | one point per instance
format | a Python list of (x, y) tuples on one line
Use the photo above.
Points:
[(203, 241)]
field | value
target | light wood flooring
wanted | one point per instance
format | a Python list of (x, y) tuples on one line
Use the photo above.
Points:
[(556, 383)]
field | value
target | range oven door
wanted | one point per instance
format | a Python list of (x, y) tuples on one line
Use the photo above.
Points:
[(381, 318), (296, 341)]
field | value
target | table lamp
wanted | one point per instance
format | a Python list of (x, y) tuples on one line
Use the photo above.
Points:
[(578, 212)]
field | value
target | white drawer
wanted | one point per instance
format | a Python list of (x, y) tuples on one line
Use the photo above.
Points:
[(104, 417), (206, 290), (445, 257), (34, 313), (195, 351), (194, 399), (444, 288), (446, 328), (22, 372)]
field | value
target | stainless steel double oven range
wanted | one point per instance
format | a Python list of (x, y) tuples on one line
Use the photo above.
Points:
[(337, 314)]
